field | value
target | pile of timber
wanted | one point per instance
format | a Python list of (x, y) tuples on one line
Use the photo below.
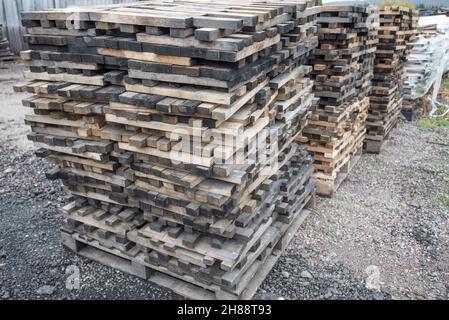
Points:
[(421, 67), (176, 128), (398, 27), (343, 68), (428, 31), (427, 55), (5, 51)]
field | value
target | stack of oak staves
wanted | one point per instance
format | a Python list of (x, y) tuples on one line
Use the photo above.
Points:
[(397, 28), (175, 126), (5, 51), (342, 72)]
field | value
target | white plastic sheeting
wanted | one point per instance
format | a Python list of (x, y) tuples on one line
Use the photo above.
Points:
[(428, 60), (441, 21)]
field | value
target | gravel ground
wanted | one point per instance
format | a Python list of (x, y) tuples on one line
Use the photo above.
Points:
[(385, 233), (383, 236)]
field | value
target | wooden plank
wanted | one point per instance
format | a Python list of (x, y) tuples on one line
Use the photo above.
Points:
[(145, 56)]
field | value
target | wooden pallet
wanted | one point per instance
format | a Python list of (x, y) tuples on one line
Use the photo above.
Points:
[(153, 114), (375, 144), (328, 188), (337, 125), (397, 28), (8, 59), (137, 267)]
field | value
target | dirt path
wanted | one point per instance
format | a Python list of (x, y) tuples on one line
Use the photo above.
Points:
[(12, 127), (383, 236)]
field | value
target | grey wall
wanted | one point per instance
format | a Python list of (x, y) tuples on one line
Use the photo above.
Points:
[(10, 14)]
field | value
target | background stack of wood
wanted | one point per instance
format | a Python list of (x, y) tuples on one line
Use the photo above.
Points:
[(175, 126), (427, 55), (343, 68), (398, 26), (5, 52), (428, 31)]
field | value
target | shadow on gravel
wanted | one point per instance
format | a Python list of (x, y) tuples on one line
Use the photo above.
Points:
[(33, 264), (308, 276)]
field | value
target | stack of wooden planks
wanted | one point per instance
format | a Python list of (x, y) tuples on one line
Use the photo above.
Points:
[(428, 31), (343, 68), (398, 27), (5, 51), (427, 55), (175, 126)]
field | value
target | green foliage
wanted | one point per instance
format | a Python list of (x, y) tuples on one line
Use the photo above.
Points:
[(438, 138), (445, 199), (395, 3), (442, 172), (440, 109), (319, 2), (434, 123), (445, 84)]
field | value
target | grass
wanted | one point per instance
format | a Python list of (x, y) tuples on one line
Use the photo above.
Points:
[(396, 3), (443, 173), (434, 123), (438, 138), (438, 122), (442, 170), (445, 199), (440, 109), (445, 84)]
